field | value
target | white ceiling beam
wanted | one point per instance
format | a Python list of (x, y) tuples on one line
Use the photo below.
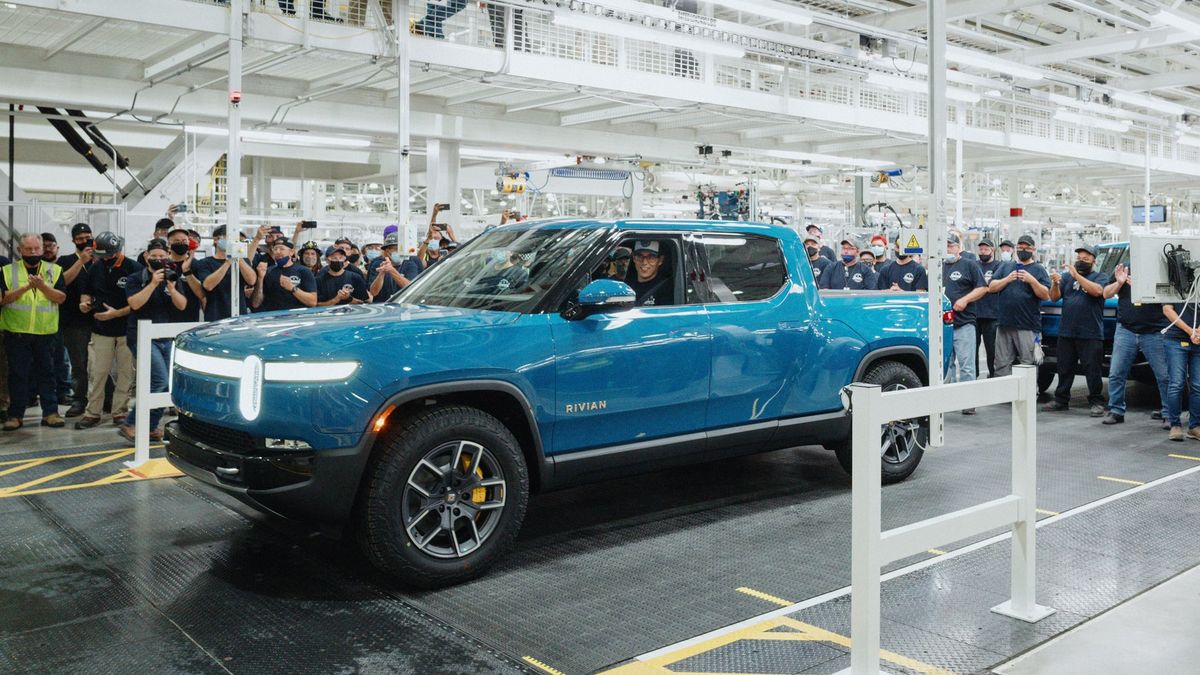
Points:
[(1182, 78), (203, 51), (864, 144), (77, 35), (913, 17), (769, 131), (1107, 45), (546, 101), (482, 92), (610, 112)]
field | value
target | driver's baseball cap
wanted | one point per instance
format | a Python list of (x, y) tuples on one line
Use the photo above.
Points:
[(646, 247)]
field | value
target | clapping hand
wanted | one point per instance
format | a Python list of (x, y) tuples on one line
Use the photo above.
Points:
[(108, 313), (1121, 274)]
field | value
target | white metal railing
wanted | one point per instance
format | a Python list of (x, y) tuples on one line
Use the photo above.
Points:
[(143, 400), (873, 548)]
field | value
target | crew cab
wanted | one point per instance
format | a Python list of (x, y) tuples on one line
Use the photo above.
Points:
[(524, 363)]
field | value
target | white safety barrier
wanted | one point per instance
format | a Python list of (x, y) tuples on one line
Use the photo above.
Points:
[(872, 548), (143, 400)]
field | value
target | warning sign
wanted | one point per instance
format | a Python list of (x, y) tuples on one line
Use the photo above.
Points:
[(911, 242)]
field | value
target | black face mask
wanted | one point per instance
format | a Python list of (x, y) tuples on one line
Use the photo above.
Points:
[(354, 257), (1083, 268), (813, 251), (985, 258), (337, 265), (179, 248), (901, 256), (156, 264), (1024, 256), (31, 260), (87, 244)]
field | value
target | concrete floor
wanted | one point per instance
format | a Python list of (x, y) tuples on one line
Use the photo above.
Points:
[(1152, 633)]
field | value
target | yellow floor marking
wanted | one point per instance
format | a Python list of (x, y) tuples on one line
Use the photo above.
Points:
[(937, 551), (1121, 480), (764, 596), (51, 458), (541, 666), (4, 492), (1044, 512), (801, 632), (27, 465), (120, 477), (155, 468), (1175, 456)]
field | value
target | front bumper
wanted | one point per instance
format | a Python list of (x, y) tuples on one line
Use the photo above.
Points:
[(317, 486)]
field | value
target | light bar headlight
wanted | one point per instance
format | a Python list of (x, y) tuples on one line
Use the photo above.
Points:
[(278, 371)]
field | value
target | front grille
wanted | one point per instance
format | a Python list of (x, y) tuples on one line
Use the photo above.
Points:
[(217, 436)]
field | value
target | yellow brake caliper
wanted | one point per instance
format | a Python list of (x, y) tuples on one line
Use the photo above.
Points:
[(479, 494)]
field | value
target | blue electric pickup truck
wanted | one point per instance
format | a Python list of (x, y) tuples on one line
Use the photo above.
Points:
[(1108, 257), (522, 364)]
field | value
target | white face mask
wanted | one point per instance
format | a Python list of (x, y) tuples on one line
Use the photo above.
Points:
[(950, 257), (1006, 255), (878, 251)]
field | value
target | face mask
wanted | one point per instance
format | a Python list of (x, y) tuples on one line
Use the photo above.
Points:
[(283, 260), (985, 258), (371, 255), (87, 244), (813, 251), (902, 256), (1083, 268), (1006, 255), (337, 265), (353, 258), (1024, 256), (156, 264), (949, 257), (31, 260), (878, 251), (180, 248), (866, 263), (218, 244), (497, 256), (396, 258), (434, 246), (110, 261), (849, 258)]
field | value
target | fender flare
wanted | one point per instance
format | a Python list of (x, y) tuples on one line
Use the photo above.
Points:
[(879, 354)]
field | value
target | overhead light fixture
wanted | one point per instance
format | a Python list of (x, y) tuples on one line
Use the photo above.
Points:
[(919, 87), (286, 138), (994, 64), (1148, 102), (822, 159), (769, 9), (1176, 19), (639, 32), (510, 155), (800, 168), (1094, 122)]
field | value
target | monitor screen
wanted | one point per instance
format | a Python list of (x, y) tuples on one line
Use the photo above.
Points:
[(1158, 214)]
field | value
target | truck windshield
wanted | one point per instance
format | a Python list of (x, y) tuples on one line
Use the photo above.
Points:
[(1109, 257), (502, 270)]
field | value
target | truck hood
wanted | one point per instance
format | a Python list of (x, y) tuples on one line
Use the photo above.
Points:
[(327, 332)]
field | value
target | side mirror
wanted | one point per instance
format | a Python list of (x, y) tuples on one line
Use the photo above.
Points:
[(601, 296)]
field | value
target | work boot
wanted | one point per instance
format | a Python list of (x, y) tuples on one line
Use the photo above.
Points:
[(156, 435), (1166, 424), (1113, 418), (86, 422), (53, 421), (118, 420), (12, 424), (76, 409), (126, 432), (1054, 406), (1194, 433), (1097, 410), (1176, 434)]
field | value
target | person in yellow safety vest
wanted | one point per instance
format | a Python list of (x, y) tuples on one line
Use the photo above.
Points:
[(32, 289)]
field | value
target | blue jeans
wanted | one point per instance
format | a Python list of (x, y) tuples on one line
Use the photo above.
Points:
[(435, 14), (963, 355), (1126, 345), (1183, 362), (160, 359)]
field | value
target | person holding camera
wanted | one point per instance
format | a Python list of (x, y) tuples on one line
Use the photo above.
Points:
[(154, 294), (390, 272), (285, 285), (214, 273), (75, 325), (103, 297), (31, 290), (180, 263)]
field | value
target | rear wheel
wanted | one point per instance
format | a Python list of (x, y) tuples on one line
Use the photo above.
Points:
[(445, 497), (903, 442)]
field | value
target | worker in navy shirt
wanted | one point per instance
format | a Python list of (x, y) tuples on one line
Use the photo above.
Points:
[(284, 285), (820, 264), (987, 308), (390, 272), (1139, 329), (1182, 345), (337, 285), (902, 274), (1081, 331), (964, 285), (825, 251), (215, 272), (1021, 285), (851, 274)]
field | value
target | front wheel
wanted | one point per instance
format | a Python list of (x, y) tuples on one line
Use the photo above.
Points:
[(903, 442), (445, 497)]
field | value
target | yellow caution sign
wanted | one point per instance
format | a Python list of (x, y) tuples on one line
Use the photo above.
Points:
[(911, 241)]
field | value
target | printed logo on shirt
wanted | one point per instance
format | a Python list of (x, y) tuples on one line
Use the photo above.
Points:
[(987, 277), (502, 285), (1074, 285), (908, 278), (817, 272), (857, 278), (649, 301), (295, 280), (348, 288), (955, 276), (121, 282)]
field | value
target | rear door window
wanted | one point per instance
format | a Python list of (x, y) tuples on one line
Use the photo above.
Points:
[(742, 267)]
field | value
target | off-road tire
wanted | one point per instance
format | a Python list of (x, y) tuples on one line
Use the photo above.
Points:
[(892, 375)]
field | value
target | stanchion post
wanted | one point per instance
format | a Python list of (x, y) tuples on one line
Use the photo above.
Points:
[(141, 415), (1023, 603), (866, 526)]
